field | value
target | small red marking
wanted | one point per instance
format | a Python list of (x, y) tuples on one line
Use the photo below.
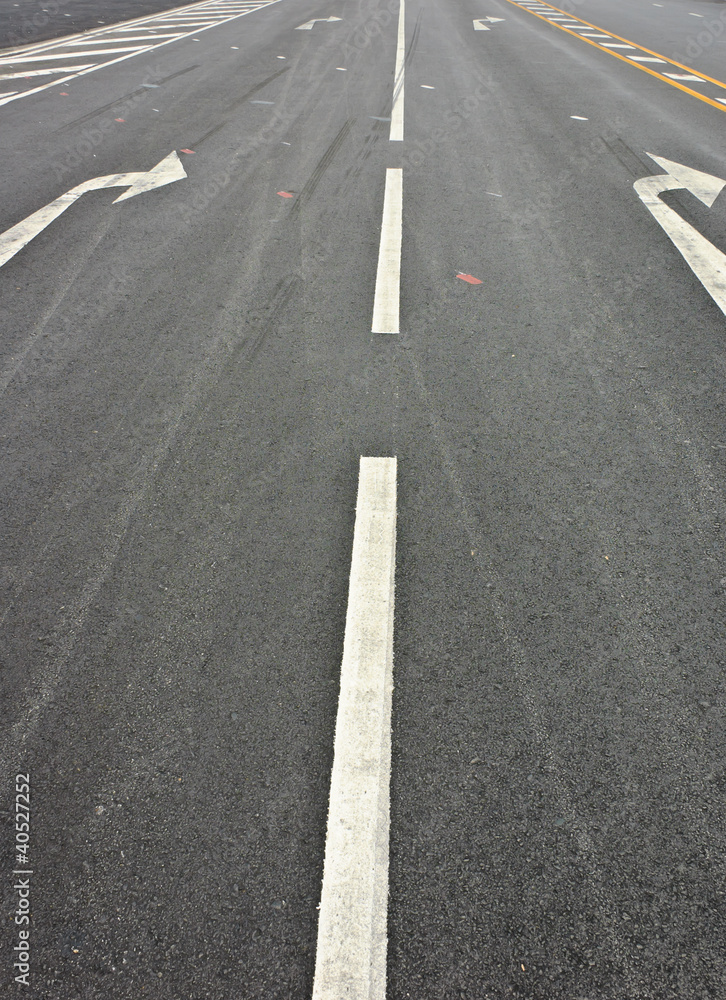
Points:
[(63, 93), (186, 150), (285, 194), (119, 119), (469, 278)]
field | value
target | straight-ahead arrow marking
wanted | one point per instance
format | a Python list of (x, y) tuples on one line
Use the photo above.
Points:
[(14, 239), (705, 260)]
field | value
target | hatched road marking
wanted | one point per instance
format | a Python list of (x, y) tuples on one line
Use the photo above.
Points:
[(179, 23), (577, 27)]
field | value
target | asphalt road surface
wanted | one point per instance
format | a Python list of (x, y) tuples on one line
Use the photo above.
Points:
[(420, 235)]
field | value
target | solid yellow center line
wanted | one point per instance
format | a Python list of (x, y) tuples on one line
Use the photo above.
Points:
[(631, 61)]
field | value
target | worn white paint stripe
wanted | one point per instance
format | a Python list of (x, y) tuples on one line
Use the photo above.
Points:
[(120, 40), (22, 74), (388, 277), (650, 59), (686, 76), (350, 961), (21, 60), (396, 133)]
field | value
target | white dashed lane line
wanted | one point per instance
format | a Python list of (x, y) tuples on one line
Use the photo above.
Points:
[(396, 132), (352, 934), (711, 91), (388, 276)]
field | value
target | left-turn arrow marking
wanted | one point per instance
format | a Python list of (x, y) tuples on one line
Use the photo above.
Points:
[(14, 239), (479, 24)]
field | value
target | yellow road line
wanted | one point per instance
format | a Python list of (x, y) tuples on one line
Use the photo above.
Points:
[(631, 62)]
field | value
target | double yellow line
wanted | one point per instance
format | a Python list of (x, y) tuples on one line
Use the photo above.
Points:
[(631, 62)]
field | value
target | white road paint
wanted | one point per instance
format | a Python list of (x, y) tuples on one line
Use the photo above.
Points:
[(616, 45), (480, 25), (396, 132), (111, 40), (14, 60), (14, 239), (579, 118), (705, 260), (175, 26), (39, 72), (308, 26), (352, 942), (388, 278), (685, 76), (650, 59)]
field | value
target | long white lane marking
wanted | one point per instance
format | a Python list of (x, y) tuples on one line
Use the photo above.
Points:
[(120, 40), (396, 133), (40, 72), (20, 60), (352, 940), (388, 276)]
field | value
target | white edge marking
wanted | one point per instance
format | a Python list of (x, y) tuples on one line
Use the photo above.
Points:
[(396, 132), (388, 277), (352, 935)]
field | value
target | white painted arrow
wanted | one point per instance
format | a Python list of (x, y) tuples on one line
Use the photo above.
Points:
[(13, 240), (309, 24), (704, 259), (480, 26)]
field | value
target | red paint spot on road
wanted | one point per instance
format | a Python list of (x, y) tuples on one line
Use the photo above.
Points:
[(63, 93), (469, 278), (285, 194), (119, 119), (187, 151)]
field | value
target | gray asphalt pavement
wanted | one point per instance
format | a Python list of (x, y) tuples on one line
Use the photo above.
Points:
[(187, 382)]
